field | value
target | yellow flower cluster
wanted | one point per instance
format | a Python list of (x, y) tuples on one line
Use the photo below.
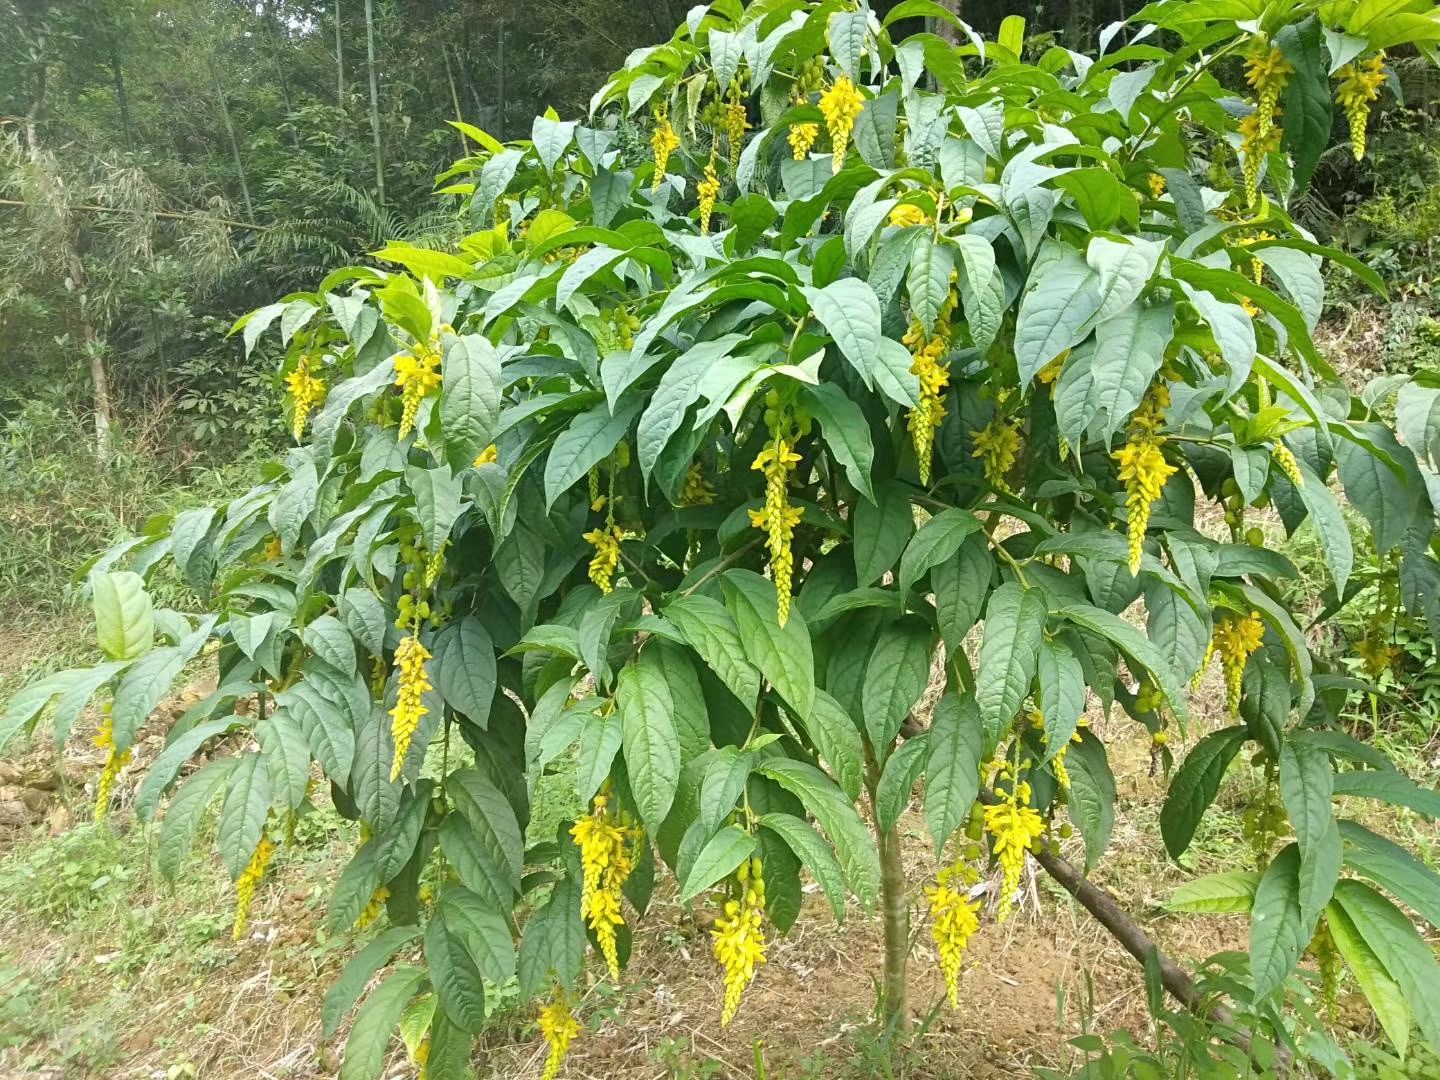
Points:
[(417, 374), (114, 762), (558, 1026), (410, 657), (1359, 87), (997, 445), (606, 541), (1267, 71), (1143, 468), (607, 855), (488, 456), (736, 123), (697, 490), (248, 881), (906, 214), (1285, 459), (1057, 763), (1234, 639), (1157, 185), (1014, 826), (307, 391), (934, 375), (954, 918), (663, 143), (373, 908), (1255, 143), (840, 105), (708, 190), (739, 936), (1047, 375), (802, 137), (778, 518), (1377, 655)]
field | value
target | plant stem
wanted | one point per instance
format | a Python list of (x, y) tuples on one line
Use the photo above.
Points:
[(896, 911)]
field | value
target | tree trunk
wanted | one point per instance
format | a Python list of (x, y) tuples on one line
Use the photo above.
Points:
[(455, 99), (944, 28), (267, 15), (122, 102), (500, 82), (374, 102), (230, 132), (339, 59), (894, 1004)]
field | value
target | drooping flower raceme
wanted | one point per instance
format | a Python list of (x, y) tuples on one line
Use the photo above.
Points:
[(801, 138), (1014, 825), (840, 105), (997, 445), (707, 191), (663, 143), (1284, 458), (607, 856), (1235, 638), (739, 936), (558, 1027), (114, 762), (606, 542), (249, 881), (417, 374), (373, 909), (929, 367), (954, 918), (410, 657), (778, 518), (307, 391), (1255, 143), (1143, 468), (1267, 71), (1359, 88)]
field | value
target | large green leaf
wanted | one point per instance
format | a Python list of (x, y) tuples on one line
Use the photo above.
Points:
[(1383, 992), (837, 816), (1137, 647), (1009, 653), (952, 773), (1389, 865), (1407, 957), (896, 674), (782, 653), (806, 843), (463, 668), (124, 615), (838, 742), (242, 814), (1306, 786), (935, 542), (357, 973), (454, 974), (470, 398), (1062, 296), (651, 744), (881, 532), (722, 853), (712, 632), (1092, 796), (1278, 931), (1194, 787), (1228, 891), (376, 1022)]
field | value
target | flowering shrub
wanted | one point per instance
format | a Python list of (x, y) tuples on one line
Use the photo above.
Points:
[(687, 472)]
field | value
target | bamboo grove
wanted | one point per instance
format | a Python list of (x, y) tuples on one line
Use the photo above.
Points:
[(679, 473)]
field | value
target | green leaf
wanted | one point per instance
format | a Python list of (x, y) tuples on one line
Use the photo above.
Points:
[(1062, 694), (1306, 786), (182, 816), (1417, 415), (837, 740), (242, 814), (470, 399), (454, 975), (961, 586), (652, 747), (808, 846), (845, 33), (1385, 499), (1406, 956), (167, 766), (928, 282), (1391, 866), (982, 291), (437, 503), (1390, 787), (1009, 653), (124, 615), (483, 930), (692, 722), (358, 971), (463, 668), (376, 1022), (554, 942), (935, 542), (897, 781), (1330, 524), (1102, 384), (286, 755), (1062, 296), (782, 654), (327, 637), (1137, 648), (1092, 796), (600, 740), (1195, 785), (585, 443), (881, 532), (1383, 993), (1307, 96), (952, 774), (837, 816), (493, 824), (896, 674), (1319, 871), (850, 312), (1278, 933), (846, 433), (714, 635), (717, 860), (1229, 891)]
